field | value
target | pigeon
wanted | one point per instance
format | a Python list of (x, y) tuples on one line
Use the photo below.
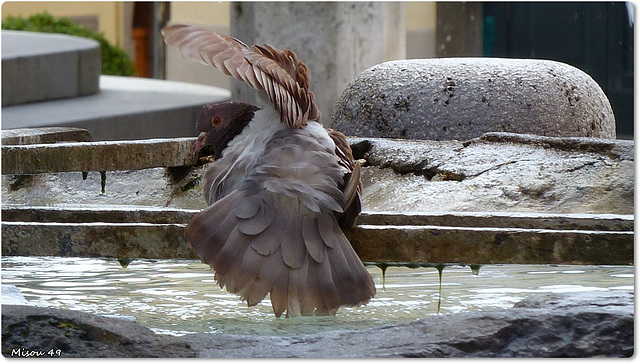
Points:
[(281, 187)]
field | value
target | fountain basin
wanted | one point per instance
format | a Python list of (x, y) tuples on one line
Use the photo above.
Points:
[(63, 215)]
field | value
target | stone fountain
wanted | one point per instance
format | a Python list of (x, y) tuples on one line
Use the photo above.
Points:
[(467, 196)]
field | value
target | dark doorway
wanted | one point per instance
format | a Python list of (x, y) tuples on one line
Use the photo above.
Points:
[(141, 34), (596, 37)]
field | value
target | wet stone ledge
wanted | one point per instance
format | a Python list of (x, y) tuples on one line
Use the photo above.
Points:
[(159, 234), (500, 198), (97, 156), (501, 172), (151, 215), (498, 172)]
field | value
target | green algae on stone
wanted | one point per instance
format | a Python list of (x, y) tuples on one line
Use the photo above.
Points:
[(103, 181)]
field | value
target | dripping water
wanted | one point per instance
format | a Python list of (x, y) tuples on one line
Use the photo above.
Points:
[(383, 267), (475, 269), (440, 268), (103, 181), (124, 262)]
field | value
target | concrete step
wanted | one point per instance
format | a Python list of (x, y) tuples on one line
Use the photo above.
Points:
[(125, 108), (39, 67)]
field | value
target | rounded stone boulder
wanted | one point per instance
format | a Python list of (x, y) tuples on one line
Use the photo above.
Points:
[(463, 98)]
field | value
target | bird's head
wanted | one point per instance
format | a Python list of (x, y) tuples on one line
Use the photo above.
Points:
[(220, 123)]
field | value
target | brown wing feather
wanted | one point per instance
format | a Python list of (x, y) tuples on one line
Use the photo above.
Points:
[(289, 62), (212, 49), (281, 74), (352, 186)]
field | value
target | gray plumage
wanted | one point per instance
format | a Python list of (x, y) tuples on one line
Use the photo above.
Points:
[(280, 189)]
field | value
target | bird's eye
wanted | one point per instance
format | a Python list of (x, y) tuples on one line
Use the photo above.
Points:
[(216, 120)]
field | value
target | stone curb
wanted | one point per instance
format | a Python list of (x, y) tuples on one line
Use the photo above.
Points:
[(125, 108)]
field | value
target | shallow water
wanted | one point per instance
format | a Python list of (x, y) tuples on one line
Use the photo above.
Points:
[(180, 296)]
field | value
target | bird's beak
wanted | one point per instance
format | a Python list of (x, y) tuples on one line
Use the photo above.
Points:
[(200, 143)]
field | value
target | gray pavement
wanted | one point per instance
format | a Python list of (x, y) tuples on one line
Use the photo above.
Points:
[(125, 108), (53, 80)]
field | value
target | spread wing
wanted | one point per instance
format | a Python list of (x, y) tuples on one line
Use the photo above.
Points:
[(279, 73)]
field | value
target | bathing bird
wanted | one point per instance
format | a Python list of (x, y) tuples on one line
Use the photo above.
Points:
[(281, 186)]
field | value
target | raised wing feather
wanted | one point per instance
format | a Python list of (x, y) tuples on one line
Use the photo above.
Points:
[(280, 73)]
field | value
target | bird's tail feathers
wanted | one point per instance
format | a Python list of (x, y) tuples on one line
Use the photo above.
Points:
[(303, 260)]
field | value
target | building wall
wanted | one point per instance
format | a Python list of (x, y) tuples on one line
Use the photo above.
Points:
[(420, 39), (210, 13), (421, 29), (113, 19), (109, 14)]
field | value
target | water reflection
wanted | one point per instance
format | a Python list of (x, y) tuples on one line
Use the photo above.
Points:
[(180, 296)]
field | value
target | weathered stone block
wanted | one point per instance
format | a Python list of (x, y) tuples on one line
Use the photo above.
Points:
[(462, 98), (97, 156), (41, 67), (498, 172)]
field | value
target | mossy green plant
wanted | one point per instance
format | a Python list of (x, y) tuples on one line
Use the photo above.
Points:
[(115, 61), (191, 184), (67, 325)]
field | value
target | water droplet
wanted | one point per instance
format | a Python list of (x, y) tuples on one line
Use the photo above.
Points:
[(475, 269), (124, 262)]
